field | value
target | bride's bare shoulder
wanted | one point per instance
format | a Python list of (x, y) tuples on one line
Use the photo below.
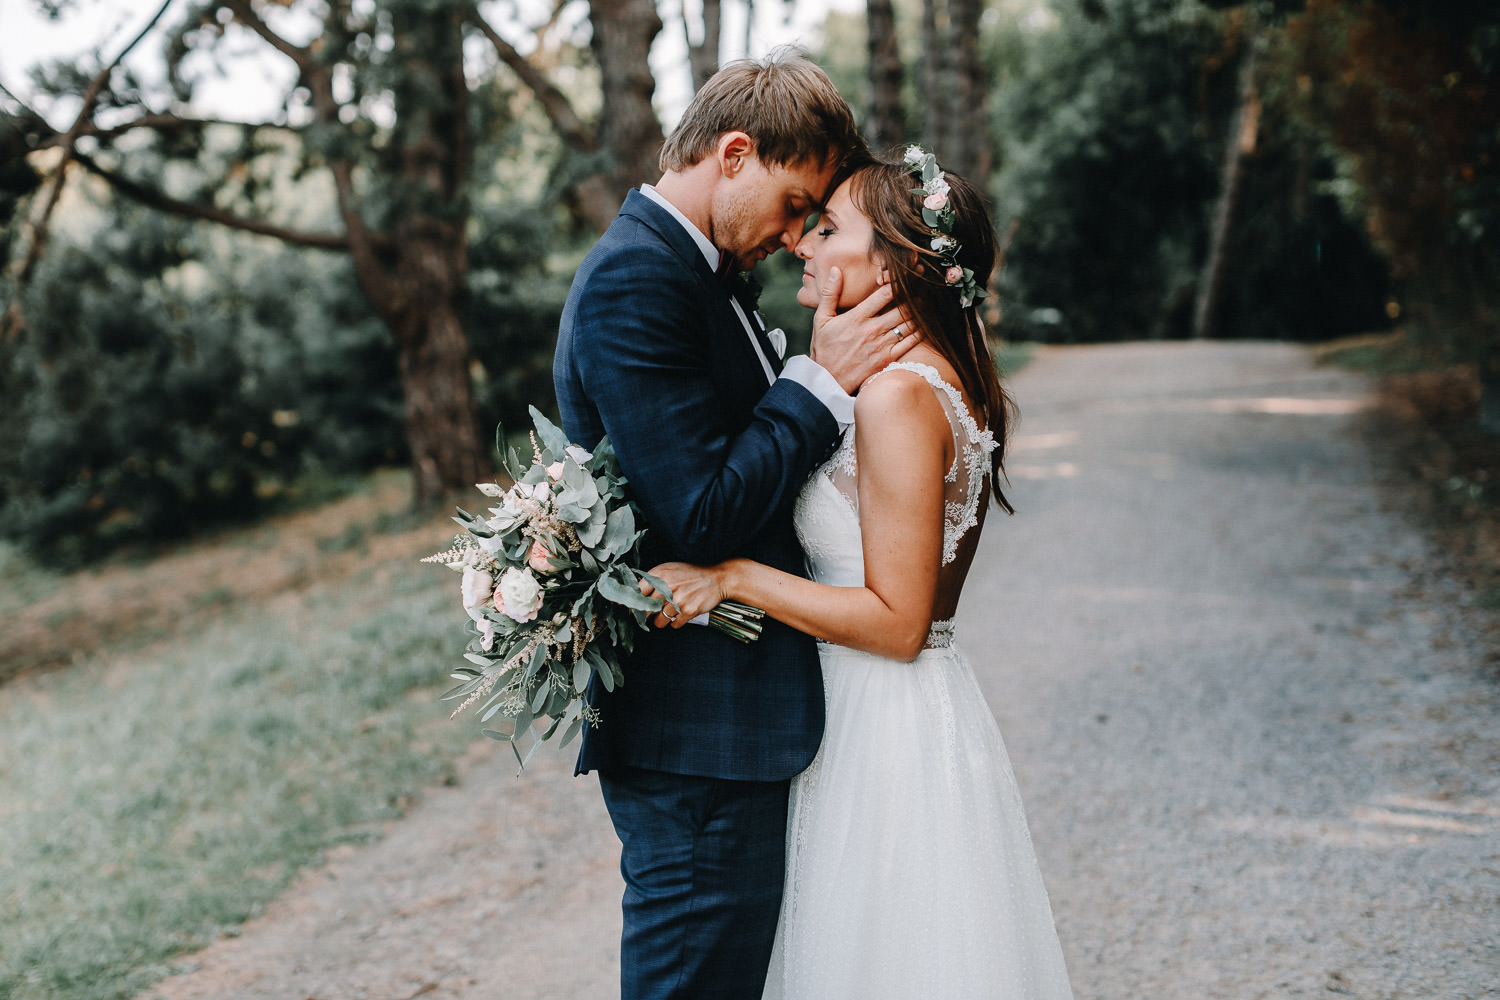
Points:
[(898, 401)]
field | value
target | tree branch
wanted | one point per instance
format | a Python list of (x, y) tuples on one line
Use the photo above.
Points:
[(559, 110), (359, 241), (245, 14), (14, 321), (162, 201), (160, 122)]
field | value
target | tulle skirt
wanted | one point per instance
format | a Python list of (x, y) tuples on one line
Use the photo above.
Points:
[(910, 870)]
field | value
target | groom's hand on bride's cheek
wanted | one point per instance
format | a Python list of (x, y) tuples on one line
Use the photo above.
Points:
[(860, 341)]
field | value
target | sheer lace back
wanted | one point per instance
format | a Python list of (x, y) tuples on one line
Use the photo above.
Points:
[(827, 514)]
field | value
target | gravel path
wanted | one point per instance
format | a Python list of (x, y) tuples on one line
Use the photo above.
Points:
[(1258, 746)]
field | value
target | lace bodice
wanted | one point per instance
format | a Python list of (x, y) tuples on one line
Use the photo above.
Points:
[(827, 510)]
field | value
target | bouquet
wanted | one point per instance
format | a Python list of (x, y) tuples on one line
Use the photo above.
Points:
[(551, 590)]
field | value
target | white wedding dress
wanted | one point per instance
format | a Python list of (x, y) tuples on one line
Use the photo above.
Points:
[(910, 870)]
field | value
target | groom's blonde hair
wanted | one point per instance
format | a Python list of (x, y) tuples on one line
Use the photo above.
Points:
[(785, 103)]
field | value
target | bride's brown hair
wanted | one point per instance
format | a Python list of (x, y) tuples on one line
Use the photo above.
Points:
[(883, 193)]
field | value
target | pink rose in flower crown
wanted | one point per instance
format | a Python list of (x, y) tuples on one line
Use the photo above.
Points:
[(519, 595), (935, 201), (538, 557), (954, 275)]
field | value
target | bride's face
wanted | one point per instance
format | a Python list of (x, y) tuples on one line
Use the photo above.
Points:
[(841, 239)]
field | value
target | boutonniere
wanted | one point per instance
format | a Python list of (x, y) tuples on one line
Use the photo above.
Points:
[(778, 342)]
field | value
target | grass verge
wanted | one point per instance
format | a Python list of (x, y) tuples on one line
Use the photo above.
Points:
[(153, 798), (1428, 426)]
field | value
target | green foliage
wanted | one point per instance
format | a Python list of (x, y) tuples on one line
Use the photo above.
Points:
[(517, 291), (219, 766), (17, 179), (176, 375), (1106, 168), (161, 386), (1112, 121), (1409, 93)]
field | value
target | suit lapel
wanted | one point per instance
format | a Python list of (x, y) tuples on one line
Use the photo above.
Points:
[(758, 324), (724, 326)]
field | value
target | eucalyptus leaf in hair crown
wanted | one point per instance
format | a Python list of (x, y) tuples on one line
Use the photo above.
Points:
[(937, 214)]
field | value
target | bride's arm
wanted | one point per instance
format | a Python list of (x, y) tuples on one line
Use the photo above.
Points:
[(902, 443)]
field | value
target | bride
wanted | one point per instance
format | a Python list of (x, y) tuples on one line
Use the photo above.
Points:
[(910, 870)]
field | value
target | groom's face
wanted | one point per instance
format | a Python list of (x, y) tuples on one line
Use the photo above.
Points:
[(760, 209)]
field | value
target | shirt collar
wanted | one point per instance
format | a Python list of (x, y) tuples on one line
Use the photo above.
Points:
[(710, 252)]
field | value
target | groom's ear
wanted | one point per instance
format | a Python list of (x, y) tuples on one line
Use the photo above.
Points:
[(732, 150)]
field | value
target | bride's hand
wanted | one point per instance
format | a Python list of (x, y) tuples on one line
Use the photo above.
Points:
[(695, 591)]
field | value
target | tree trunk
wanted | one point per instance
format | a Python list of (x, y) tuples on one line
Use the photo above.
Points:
[(422, 290), (703, 55), (629, 132), (1489, 387), (438, 403), (934, 72), (969, 126), (887, 121), (1241, 141)]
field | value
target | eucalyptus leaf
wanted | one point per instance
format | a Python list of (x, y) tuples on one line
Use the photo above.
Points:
[(620, 531), (523, 718), (604, 453), (573, 729), (613, 589), (501, 450), (581, 671), (658, 583), (550, 435), (534, 665), (460, 691), (591, 529), (539, 700), (581, 488)]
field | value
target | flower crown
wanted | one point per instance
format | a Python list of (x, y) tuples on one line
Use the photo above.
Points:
[(937, 213)]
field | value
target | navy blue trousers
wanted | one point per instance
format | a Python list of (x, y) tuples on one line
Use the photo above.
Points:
[(703, 861)]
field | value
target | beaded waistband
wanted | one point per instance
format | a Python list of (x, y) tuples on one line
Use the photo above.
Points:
[(940, 635)]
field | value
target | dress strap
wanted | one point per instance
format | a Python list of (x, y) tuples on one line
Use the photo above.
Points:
[(970, 471)]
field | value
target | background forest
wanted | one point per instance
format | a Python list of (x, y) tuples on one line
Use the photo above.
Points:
[(203, 317)]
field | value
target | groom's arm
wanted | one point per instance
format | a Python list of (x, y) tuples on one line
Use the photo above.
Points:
[(706, 480)]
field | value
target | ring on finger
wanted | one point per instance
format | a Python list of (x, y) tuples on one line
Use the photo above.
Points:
[(670, 618), (899, 330)]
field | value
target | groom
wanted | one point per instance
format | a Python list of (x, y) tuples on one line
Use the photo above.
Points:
[(696, 749)]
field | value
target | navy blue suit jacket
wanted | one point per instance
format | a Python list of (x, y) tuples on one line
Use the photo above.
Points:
[(651, 351)]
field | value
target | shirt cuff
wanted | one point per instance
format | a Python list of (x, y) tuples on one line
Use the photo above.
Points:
[(825, 388)]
